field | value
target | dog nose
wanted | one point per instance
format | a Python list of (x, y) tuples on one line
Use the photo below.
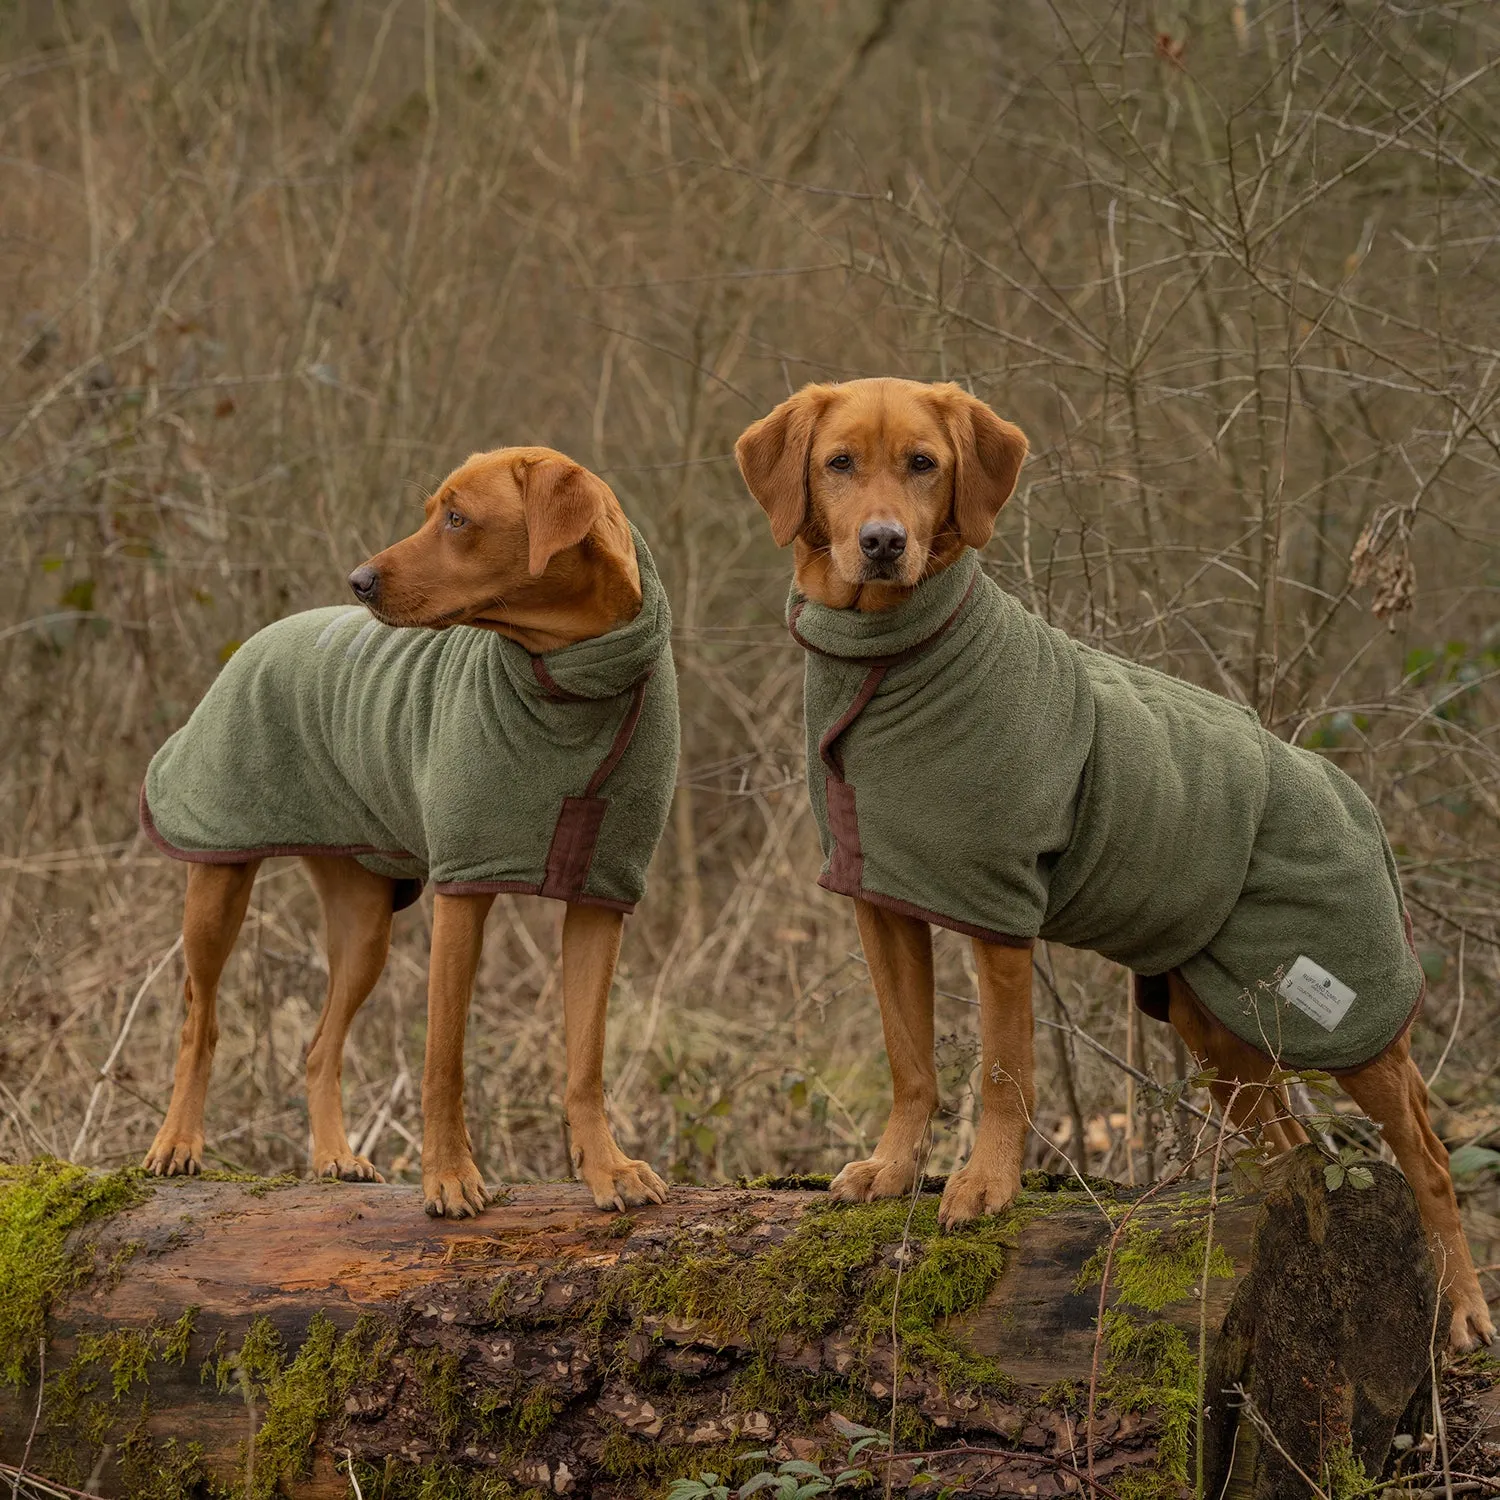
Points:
[(365, 582), (882, 541)]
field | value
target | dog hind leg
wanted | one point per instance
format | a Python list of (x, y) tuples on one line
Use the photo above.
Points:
[(1391, 1092), (217, 898), (1239, 1087), (357, 937)]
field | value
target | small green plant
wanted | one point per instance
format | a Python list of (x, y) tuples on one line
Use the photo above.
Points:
[(1347, 1169), (794, 1479)]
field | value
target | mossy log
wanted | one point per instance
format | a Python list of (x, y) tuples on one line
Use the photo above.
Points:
[(251, 1338)]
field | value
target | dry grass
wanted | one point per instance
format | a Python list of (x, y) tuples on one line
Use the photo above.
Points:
[(270, 270)]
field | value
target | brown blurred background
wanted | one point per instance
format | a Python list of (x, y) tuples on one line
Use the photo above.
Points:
[(269, 270)]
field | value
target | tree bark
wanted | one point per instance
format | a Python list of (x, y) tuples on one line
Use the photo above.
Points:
[(292, 1331)]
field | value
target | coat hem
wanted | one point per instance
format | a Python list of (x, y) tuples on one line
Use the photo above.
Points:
[(528, 888), (922, 914), (406, 889), (259, 851)]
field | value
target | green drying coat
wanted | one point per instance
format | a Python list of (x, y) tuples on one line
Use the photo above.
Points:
[(972, 766), (453, 755)]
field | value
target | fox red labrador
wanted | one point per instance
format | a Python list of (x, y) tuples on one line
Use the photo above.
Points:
[(971, 767)]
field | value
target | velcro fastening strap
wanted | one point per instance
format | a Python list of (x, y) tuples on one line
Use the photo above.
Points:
[(846, 866), (572, 850)]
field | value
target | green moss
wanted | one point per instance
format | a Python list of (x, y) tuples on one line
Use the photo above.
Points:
[(1150, 1366), (75, 1417), (175, 1343), (647, 1469), (442, 1391), (1153, 1267), (500, 1296), (166, 1470), (300, 1396), (127, 1352), (363, 1354), (537, 1412), (1344, 1476), (789, 1182), (805, 1401), (396, 1480), (302, 1392), (839, 1268), (40, 1205), (256, 1363), (254, 1184)]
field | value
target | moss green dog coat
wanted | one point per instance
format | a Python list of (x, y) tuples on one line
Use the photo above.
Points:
[(972, 766), (452, 754)]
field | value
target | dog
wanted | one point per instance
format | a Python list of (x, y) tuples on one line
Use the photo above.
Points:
[(498, 712), (1094, 802)]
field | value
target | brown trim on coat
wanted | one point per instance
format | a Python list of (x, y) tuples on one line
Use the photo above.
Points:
[(861, 701), (550, 686), (922, 914), (622, 739)]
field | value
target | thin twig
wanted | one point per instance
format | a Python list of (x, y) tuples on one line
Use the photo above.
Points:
[(36, 1416)]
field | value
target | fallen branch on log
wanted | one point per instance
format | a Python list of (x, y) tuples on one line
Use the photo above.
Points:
[(254, 1338)]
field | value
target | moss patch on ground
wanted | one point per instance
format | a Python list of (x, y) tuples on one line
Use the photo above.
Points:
[(41, 1204)]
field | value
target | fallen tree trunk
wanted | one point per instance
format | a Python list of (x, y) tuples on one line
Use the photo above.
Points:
[(263, 1338)]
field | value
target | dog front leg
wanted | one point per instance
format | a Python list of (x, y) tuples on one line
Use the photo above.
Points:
[(992, 1176), (899, 952), (590, 947), (451, 1185)]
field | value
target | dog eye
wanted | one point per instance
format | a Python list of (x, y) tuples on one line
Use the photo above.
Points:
[(921, 463), (455, 520), (842, 462)]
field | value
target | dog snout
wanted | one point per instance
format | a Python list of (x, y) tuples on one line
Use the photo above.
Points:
[(365, 582), (882, 541)]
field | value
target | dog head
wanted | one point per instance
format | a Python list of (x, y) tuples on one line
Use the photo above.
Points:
[(519, 540), (880, 483)]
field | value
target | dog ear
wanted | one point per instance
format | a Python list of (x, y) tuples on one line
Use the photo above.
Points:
[(773, 456), (561, 501), (990, 452)]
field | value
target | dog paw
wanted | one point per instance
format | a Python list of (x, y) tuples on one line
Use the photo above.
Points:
[(345, 1166), (875, 1177), (1472, 1325), (456, 1193), (974, 1191), (174, 1155), (624, 1184)]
